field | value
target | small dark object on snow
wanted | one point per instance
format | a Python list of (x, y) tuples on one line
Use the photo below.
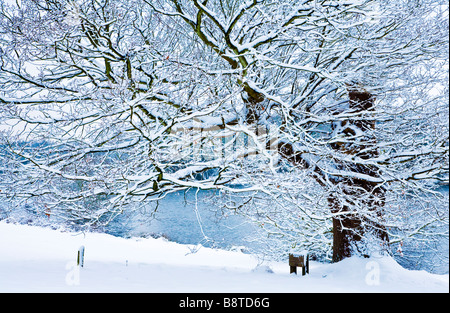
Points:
[(80, 256), (301, 260)]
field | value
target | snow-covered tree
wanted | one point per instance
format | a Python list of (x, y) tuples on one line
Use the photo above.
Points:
[(316, 119)]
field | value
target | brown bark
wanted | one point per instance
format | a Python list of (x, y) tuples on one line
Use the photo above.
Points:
[(346, 230), (349, 226), (253, 104)]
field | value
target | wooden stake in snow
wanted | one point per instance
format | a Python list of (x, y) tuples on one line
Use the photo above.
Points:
[(80, 257)]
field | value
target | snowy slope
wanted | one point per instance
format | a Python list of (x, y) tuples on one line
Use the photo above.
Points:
[(34, 259)]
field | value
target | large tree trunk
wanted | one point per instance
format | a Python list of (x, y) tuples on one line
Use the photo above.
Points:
[(349, 225), (346, 230)]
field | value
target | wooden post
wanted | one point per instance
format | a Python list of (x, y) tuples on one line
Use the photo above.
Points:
[(80, 256), (307, 263)]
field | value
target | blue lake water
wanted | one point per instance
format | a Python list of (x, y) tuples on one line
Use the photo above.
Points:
[(179, 219)]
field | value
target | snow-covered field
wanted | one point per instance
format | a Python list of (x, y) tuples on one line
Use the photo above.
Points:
[(35, 259)]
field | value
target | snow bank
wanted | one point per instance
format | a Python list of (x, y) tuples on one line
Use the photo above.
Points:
[(34, 259)]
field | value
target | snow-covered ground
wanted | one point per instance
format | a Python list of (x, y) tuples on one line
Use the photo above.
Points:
[(36, 259)]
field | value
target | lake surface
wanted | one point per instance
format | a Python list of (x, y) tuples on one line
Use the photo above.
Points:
[(179, 219)]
